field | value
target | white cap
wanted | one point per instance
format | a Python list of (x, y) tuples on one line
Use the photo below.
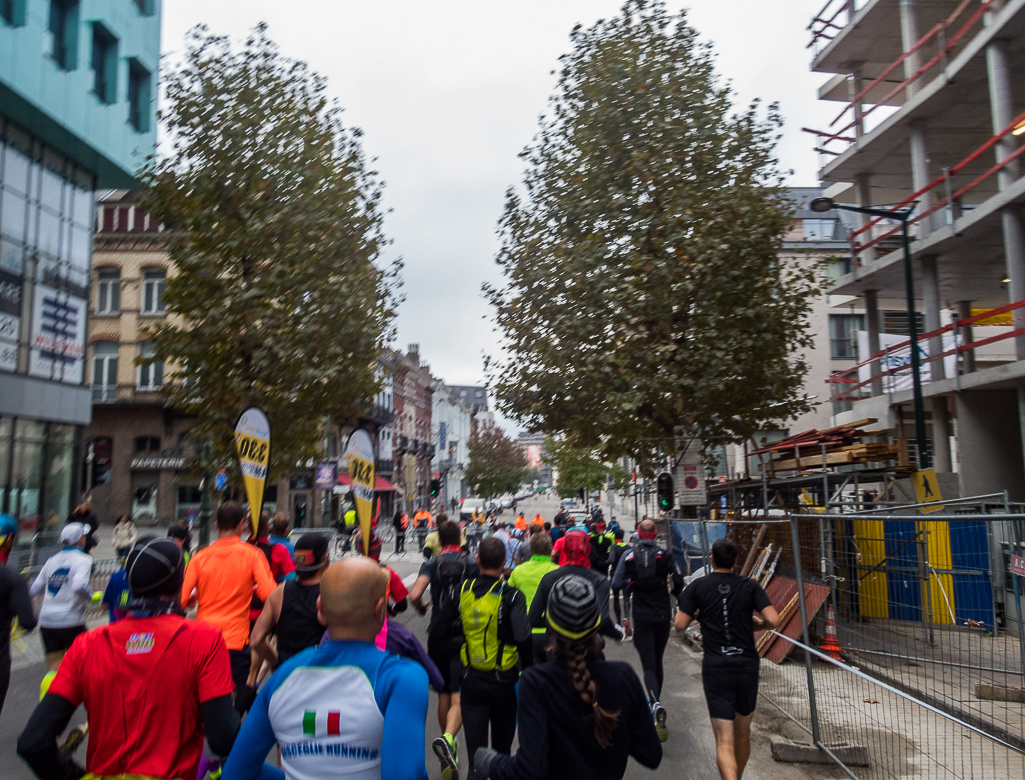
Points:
[(72, 533)]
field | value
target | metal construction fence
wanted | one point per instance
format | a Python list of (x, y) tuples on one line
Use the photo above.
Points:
[(901, 645)]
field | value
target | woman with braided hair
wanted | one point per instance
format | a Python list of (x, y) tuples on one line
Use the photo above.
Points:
[(579, 718)]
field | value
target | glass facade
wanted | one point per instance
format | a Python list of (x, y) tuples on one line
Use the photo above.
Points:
[(46, 230)]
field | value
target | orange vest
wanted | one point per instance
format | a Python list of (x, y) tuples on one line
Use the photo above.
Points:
[(538, 520), (521, 523), (405, 522)]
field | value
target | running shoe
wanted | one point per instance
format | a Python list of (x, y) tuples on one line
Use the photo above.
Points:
[(660, 722), (445, 748)]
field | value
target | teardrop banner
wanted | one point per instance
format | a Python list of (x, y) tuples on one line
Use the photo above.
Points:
[(252, 437), (359, 455)]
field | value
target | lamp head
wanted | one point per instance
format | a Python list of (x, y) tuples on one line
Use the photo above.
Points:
[(822, 205)]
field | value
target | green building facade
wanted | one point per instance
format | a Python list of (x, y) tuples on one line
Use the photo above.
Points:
[(78, 85)]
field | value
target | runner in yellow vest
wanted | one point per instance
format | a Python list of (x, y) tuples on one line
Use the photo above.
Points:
[(526, 577)]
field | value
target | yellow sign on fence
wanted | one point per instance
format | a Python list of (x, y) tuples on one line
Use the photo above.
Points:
[(927, 489)]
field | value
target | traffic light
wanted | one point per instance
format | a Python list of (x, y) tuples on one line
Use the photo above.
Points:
[(435, 487), (665, 491)]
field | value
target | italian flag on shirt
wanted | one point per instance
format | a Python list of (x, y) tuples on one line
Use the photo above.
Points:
[(321, 723)]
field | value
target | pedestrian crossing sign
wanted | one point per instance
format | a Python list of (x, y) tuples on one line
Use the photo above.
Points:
[(927, 490)]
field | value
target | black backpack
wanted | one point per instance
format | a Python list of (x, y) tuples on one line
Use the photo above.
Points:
[(646, 575), (451, 572)]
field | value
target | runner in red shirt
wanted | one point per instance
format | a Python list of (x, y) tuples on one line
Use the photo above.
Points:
[(153, 685)]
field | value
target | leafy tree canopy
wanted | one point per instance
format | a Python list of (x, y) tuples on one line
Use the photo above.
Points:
[(275, 299), (580, 468), (643, 290), (497, 464)]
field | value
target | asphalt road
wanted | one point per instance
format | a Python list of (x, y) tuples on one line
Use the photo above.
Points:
[(688, 755)]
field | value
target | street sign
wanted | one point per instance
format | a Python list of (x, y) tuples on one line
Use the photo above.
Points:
[(1018, 565), (927, 489), (221, 480), (690, 475)]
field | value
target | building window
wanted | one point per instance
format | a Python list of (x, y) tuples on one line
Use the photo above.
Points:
[(896, 322), (63, 31), (151, 375), (104, 64), (843, 335), (104, 372), (819, 229), (145, 7), (153, 292), (145, 445), (837, 267), (13, 12), (139, 83), (108, 291)]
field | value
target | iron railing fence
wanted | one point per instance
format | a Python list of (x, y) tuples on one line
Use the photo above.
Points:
[(927, 674)]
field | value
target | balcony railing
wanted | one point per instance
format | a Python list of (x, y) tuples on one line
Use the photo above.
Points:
[(893, 360), (126, 394)]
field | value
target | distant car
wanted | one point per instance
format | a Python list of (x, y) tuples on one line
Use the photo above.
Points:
[(469, 506), (568, 503), (575, 516)]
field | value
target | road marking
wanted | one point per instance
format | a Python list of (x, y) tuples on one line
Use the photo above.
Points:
[(408, 581)]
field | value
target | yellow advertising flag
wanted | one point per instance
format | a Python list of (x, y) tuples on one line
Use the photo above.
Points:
[(252, 437), (359, 454)]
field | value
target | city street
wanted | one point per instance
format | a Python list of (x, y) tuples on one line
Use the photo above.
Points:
[(689, 753)]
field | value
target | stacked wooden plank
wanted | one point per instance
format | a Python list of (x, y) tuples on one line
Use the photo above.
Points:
[(841, 445)]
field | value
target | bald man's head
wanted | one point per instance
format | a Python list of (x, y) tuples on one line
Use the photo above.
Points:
[(352, 600), (647, 529)]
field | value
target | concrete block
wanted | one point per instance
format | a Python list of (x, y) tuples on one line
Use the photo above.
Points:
[(788, 752), (991, 692)]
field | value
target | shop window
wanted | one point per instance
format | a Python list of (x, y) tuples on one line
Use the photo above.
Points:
[(145, 445), (104, 64), (108, 291), (153, 292), (144, 499), (63, 31), (105, 371), (139, 86), (151, 375)]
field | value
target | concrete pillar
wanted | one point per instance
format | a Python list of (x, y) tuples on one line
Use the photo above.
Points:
[(864, 184), (909, 37), (964, 311), (931, 298), (854, 85), (940, 434), (1001, 104), (872, 325), (1014, 254), (920, 174)]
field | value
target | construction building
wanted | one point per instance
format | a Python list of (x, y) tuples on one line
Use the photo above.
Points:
[(929, 99)]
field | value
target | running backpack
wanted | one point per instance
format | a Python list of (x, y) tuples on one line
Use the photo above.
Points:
[(646, 567), (451, 571), (483, 650)]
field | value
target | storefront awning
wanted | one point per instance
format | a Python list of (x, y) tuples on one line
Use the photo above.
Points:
[(381, 485)]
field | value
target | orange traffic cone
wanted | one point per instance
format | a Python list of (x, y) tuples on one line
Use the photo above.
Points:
[(830, 646)]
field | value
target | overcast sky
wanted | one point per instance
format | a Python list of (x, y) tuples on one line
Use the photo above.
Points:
[(448, 92)]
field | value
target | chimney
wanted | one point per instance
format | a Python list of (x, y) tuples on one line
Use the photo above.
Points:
[(414, 353)]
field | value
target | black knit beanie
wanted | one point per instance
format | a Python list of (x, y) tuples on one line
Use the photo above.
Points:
[(573, 611), (155, 567)]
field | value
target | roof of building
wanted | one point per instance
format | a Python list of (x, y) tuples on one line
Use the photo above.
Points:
[(477, 397)]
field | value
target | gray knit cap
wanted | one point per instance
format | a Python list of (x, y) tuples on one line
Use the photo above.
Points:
[(573, 610)]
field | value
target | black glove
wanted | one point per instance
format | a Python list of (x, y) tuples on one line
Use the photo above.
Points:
[(482, 762), (244, 698)]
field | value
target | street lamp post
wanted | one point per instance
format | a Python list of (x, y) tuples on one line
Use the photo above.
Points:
[(822, 205)]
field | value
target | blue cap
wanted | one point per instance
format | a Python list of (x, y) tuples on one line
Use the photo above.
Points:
[(8, 525)]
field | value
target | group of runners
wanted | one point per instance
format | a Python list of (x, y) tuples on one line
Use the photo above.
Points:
[(290, 649)]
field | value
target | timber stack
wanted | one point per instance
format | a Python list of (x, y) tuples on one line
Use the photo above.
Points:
[(842, 445)]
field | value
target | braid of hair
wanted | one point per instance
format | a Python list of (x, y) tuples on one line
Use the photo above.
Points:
[(605, 722)]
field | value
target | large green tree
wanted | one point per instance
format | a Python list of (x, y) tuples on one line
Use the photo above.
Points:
[(277, 298), (642, 286), (580, 468), (497, 464)]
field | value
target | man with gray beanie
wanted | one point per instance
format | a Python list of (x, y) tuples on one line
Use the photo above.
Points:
[(154, 685)]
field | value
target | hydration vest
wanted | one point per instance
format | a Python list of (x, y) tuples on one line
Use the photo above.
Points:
[(482, 649)]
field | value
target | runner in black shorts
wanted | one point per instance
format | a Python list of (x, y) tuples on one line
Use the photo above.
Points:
[(445, 573), (726, 604)]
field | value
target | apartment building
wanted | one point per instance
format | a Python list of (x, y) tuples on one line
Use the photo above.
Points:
[(928, 99), (451, 420), (77, 114)]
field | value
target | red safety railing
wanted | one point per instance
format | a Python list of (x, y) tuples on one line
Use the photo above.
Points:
[(825, 24), (954, 195), (853, 385), (937, 35)]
